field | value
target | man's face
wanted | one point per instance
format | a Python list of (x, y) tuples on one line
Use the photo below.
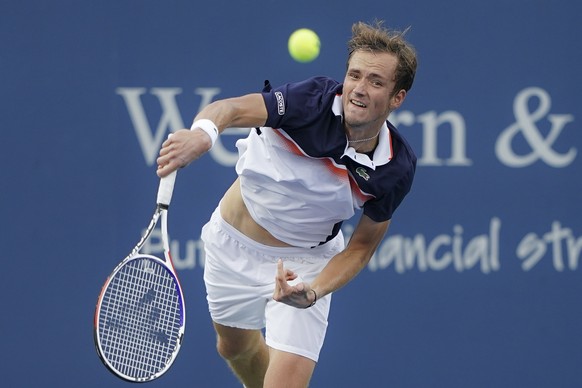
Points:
[(368, 89)]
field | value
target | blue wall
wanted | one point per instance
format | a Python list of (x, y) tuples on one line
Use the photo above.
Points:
[(478, 283)]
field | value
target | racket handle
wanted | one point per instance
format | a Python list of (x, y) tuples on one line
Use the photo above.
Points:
[(166, 189)]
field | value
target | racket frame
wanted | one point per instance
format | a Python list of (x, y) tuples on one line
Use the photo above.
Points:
[(161, 212)]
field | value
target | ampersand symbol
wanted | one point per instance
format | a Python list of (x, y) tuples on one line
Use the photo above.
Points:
[(541, 147)]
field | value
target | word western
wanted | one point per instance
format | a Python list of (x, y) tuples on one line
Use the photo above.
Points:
[(530, 126)]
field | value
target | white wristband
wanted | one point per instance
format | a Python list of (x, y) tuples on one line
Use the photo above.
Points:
[(207, 126)]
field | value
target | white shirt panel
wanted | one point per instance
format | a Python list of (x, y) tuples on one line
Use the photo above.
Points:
[(297, 198)]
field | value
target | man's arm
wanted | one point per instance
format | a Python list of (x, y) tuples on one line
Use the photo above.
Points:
[(340, 270), (185, 146)]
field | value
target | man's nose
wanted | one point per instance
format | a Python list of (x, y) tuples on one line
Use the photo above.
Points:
[(360, 87)]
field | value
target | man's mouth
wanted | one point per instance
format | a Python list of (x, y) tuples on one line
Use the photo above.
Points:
[(358, 103)]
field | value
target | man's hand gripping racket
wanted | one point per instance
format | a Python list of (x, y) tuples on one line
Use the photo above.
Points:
[(140, 315)]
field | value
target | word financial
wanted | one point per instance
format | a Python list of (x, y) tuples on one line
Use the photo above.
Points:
[(558, 249)]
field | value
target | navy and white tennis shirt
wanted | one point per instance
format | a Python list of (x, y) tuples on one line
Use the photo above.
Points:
[(300, 179)]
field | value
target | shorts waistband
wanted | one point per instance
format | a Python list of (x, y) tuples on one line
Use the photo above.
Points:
[(325, 251)]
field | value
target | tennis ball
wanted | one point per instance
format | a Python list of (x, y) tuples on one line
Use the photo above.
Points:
[(304, 45)]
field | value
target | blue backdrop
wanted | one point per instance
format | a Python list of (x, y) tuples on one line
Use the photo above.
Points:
[(478, 283)]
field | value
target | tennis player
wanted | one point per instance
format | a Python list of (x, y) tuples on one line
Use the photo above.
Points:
[(319, 150)]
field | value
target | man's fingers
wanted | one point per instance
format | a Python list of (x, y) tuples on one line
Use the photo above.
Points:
[(163, 171), (280, 271), (166, 167)]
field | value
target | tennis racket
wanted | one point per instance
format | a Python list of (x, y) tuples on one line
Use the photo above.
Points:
[(140, 315)]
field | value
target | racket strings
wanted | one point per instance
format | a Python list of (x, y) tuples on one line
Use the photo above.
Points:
[(140, 319)]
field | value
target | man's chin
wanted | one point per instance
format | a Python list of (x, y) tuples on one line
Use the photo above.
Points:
[(354, 122)]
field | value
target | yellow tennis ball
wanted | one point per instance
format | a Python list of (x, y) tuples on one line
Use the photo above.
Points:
[(304, 45)]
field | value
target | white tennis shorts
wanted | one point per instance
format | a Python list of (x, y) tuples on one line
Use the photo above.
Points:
[(239, 274)]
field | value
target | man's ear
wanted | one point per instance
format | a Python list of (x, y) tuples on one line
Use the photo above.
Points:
[(397, 99)]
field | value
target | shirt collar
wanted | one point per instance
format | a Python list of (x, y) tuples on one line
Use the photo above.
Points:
[(383, 152)]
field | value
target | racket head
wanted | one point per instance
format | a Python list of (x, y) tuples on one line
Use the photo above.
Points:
[(140, 319)]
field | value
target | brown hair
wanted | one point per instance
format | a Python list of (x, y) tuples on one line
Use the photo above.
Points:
[(378, 39)]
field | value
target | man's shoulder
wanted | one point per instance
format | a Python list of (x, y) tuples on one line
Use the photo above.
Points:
[(321, 83)]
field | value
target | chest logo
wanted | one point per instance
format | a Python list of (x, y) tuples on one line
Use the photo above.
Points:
[(361, 171)]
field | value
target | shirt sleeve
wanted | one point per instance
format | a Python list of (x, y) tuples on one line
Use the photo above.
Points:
[(398, 182), (294, 105), (382, 208)]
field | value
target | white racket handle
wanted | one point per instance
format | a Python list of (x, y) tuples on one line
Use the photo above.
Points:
[(166, 189)]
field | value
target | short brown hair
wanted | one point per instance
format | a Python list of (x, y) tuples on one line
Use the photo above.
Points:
[(378, 39)]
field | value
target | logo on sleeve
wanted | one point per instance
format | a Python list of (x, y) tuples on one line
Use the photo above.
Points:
[(280, 103)]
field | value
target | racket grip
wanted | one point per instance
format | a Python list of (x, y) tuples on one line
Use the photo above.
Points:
[(166, 189)]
